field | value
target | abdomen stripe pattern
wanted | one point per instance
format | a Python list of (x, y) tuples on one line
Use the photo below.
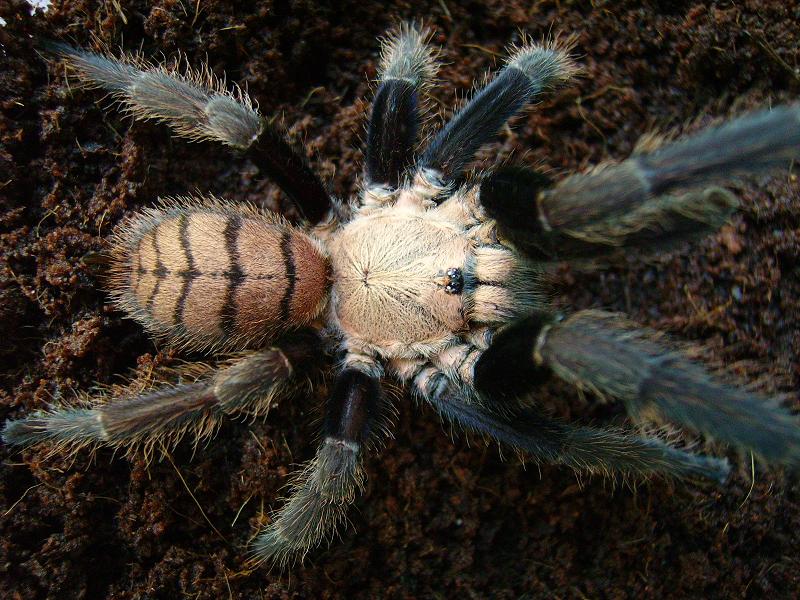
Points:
[(206, 274)]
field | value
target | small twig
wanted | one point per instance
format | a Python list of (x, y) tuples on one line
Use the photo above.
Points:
[(310, 94), (183, 481), (196, 14), (483, 49), (591, 124), (752, 480), (239, 512), (445, 10), (21, 498), (119, 11), (773, 54)]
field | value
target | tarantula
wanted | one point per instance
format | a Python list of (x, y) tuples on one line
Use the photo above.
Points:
[(428, 276)]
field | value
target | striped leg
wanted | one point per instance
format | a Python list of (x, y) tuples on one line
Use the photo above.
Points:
[(164, 416), (197, 106)]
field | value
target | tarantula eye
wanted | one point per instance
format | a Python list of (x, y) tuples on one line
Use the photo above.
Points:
[(455, 281)]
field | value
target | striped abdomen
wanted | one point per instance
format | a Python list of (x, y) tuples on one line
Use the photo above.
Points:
[(209, 274)]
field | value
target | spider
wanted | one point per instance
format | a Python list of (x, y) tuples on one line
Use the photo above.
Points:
[(429, 277)]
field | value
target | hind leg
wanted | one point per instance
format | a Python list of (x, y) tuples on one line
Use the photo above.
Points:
[(162, 417)]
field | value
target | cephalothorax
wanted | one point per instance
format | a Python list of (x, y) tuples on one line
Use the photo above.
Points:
[(428, 277)]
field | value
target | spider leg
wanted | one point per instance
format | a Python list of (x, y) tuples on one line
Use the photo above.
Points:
[(197, 106), (328, 484), (407, 66), (161, 418), (609, 355), (652, 200), (545, 439), (530, 71)]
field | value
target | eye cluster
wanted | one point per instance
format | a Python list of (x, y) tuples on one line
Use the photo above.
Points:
[(455, 281)]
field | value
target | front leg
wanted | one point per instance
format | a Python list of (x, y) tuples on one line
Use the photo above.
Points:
[(529, 72), (407, 66), (653, 200)]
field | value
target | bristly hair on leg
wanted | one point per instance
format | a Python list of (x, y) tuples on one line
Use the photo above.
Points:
[(532, 70), (407, 67), (198, 106), (606, 353), (196, 103), (756, 143), (356, 414), (609, 452), (136, 418), (407, 55), (548, 63), (143, 418), (319, 497)]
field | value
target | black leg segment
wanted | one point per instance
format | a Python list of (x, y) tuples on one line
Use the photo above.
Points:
[(353, 407), (608, 452), (476, 124), (392, 133), (282, 163), (508, 195), (407, 66), (328, 484), (506, 371), (531, 70)]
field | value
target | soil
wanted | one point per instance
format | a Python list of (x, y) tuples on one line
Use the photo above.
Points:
[(443, 515)]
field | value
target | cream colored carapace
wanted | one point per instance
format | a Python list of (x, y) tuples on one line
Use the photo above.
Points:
[(412, 278)]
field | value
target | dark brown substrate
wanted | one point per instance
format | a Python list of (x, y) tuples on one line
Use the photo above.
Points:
[(440, 518)]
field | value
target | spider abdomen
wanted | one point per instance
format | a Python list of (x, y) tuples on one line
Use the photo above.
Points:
[(208, 274)]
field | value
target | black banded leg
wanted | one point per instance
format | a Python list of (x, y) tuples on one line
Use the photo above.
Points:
[(608, 452), (645, 201), (407, 66), (607, 354), (512, 196), (529, 72), (284, 164), (162, 418), (328, 484), (197, 106)]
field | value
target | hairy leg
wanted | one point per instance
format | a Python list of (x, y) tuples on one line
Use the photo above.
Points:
[(606, 451), (531, 70), (164, 416), (320, 495), (652, 200), (197, 106), (609, 355), (407, 66)]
